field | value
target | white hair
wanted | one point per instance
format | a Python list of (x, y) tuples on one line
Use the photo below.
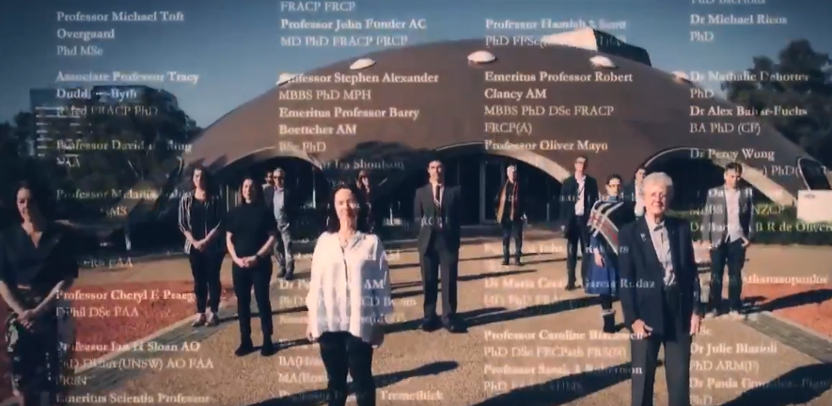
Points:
[(660, 178)]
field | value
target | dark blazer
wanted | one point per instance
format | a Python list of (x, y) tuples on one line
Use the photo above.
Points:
[(289, 202), (424, 208), (520, 205), (569, 195), (642, 276)]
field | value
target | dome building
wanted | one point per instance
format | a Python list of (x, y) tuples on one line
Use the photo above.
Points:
[(582, 93)]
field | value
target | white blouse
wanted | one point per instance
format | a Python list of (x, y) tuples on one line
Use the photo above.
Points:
[(349, 290)]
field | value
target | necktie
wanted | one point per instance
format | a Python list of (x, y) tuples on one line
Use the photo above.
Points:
[(437, 198)]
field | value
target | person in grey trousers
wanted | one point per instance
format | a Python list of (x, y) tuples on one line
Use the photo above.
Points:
[(728, 226), (280, 201)]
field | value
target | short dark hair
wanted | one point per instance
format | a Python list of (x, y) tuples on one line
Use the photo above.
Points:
[(333, 224), (40, 196), (613, 177), (584, 157), (256, 192), (734, 166)]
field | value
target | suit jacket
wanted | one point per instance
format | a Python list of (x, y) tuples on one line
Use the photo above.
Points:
[(629, 193), (501, 204), (289, 204), (642, 275), (715, 215), (569, 196), (424, 209)]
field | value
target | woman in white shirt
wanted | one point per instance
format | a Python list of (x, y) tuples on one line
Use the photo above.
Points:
[(348, 300)]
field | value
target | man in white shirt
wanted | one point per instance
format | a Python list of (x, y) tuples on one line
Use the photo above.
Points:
[(577, 195), (728, 226)]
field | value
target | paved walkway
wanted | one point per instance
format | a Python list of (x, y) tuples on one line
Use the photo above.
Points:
[(530, 343)]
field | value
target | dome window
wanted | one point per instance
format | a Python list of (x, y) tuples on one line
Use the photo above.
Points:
[(599, 61), (362, 63), (285, 78), (681, 77), (481, 57)]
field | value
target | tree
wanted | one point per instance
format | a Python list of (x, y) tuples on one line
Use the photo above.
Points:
[(111, 171), (811, 92)]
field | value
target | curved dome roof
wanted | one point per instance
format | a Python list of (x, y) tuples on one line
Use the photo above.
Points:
[(651, 112)]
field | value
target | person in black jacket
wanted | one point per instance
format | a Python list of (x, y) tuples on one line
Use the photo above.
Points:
[(37, 267), (365, 200), (633, 191), (660, 294), (511, 214), (251, 231), (437, 209), (577, 196), (201, 212), (280, 200)]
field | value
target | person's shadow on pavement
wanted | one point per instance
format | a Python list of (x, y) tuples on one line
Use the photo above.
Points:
[(563, 390), (319, 397), (796, 387)]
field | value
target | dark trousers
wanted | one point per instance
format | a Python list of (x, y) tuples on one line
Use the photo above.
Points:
[(606, 302), (577, 235), (731, 254), (437, 257), (258, 277), (645, 354), (205, 268), (344, 353), (512, 229)]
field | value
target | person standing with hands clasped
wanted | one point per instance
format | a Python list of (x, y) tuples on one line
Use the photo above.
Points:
[(608, 215), (201, 212), (349, 299), (659, 295), (251, 234)]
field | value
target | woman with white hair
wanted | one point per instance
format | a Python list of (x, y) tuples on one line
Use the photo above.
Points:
[(659, 294)]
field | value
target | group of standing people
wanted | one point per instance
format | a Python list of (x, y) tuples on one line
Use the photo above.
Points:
[(635, 252), (632, 251)]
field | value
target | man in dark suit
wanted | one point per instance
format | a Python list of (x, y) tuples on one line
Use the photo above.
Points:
[(577, 195), (438, 210), (511, 214), (659, 295), (728, 225), (281, 202), (633, 192)]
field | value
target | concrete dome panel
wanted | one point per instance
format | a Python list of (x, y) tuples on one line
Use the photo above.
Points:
[(652, 113)]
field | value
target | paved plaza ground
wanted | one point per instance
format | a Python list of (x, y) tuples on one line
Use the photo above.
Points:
[(530, 343)]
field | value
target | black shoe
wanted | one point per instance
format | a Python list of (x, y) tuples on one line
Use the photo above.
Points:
[(517, 262), (289, 276), (454, 326), (609, 323), (245, 348), (430, 324), (281, 273), (268, 349), (571, 286), (505, 262)]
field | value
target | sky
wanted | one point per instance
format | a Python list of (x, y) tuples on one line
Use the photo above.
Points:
[(235, 47)]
